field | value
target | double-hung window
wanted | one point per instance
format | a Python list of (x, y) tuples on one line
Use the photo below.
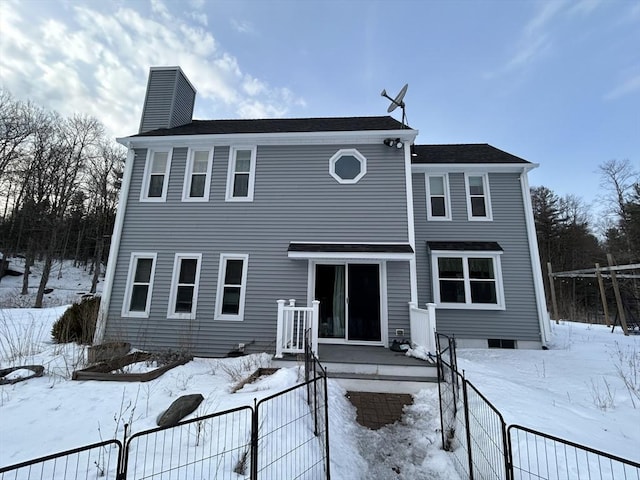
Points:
[(137, 298), (468, 280), (478, 199), (232, 285), (438, 203), (184, 285), (197, 175), (156, 176), (241, 174)]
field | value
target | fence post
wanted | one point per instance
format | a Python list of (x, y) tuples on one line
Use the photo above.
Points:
[(467, 425), (307, 364), (508, 453), (440, 379), (326, 424), (454, 377), (123, 458), (254, 440), (315, 406), (315, 325)]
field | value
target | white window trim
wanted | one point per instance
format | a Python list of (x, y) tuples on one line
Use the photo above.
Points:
[(447, 197), (144, 192), (350, 152), (129, 290), (231, 171), (487, 197), (188, 176), (171, 312), (465, 255), (220, 290)]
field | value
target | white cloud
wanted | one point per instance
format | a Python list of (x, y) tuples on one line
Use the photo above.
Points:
[(258, 109), (634, 11), (253, 86), (95, 60), (585, 7), (242, 26), (534, 40), (528, 52), (157, 6), (537, 36), (542, 18), (200, 17), (627, 87)]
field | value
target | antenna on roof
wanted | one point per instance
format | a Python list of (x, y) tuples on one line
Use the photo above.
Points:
[(398, 101)]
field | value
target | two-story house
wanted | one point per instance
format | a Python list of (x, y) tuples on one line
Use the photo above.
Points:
[(222, 222)]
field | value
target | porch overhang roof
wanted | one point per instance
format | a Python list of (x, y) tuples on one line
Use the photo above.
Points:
[(368, 251), (465, 246)]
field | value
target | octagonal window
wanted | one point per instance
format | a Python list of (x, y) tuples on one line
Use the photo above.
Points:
[(348, 166)]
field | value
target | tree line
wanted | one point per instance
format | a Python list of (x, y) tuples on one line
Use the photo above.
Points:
[(569, 239), (60, 176), (59, 181)]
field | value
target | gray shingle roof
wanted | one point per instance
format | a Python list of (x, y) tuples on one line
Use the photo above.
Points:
[(279, 125), (462, 153)]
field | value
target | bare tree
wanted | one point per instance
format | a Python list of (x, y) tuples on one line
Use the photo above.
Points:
[(59, 179), (15, 128), (619, 179), (103, 182), (76, 137)]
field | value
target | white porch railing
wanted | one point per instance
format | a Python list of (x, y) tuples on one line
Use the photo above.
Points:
[(292, 323), (423, 326)]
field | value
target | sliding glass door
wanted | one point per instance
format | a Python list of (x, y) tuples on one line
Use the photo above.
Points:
[(349, 296)]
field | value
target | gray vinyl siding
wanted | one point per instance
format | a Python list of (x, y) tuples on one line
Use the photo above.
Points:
[(519, 320), (398, 298), (168, 102), (182, 108), (295, 199)]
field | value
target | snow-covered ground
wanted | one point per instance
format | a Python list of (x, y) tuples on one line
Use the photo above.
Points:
[(575, 390)]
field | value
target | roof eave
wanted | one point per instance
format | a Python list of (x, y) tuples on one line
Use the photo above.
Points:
[(407, 135), (471, 167)]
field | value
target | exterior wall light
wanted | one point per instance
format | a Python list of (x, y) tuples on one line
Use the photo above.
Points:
[(393, 142)]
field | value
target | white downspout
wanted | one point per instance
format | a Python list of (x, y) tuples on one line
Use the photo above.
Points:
[(101, 324), (538, 285)]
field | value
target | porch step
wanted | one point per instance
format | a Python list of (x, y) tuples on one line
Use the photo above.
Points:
[(381, 370), (382, 378), (383, 385)]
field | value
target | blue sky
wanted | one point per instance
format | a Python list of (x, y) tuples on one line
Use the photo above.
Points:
[(556, 82)]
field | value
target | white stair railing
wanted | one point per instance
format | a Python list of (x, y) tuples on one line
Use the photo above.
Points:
[(292, 323), (423, 326)]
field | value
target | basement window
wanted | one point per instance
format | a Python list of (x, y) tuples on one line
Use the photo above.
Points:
[(501, 343)]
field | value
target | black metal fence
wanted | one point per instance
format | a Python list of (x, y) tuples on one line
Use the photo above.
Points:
[(285, 436), (482, 446), (536, 455), (297, 447), (214, 446), (97, 461)]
